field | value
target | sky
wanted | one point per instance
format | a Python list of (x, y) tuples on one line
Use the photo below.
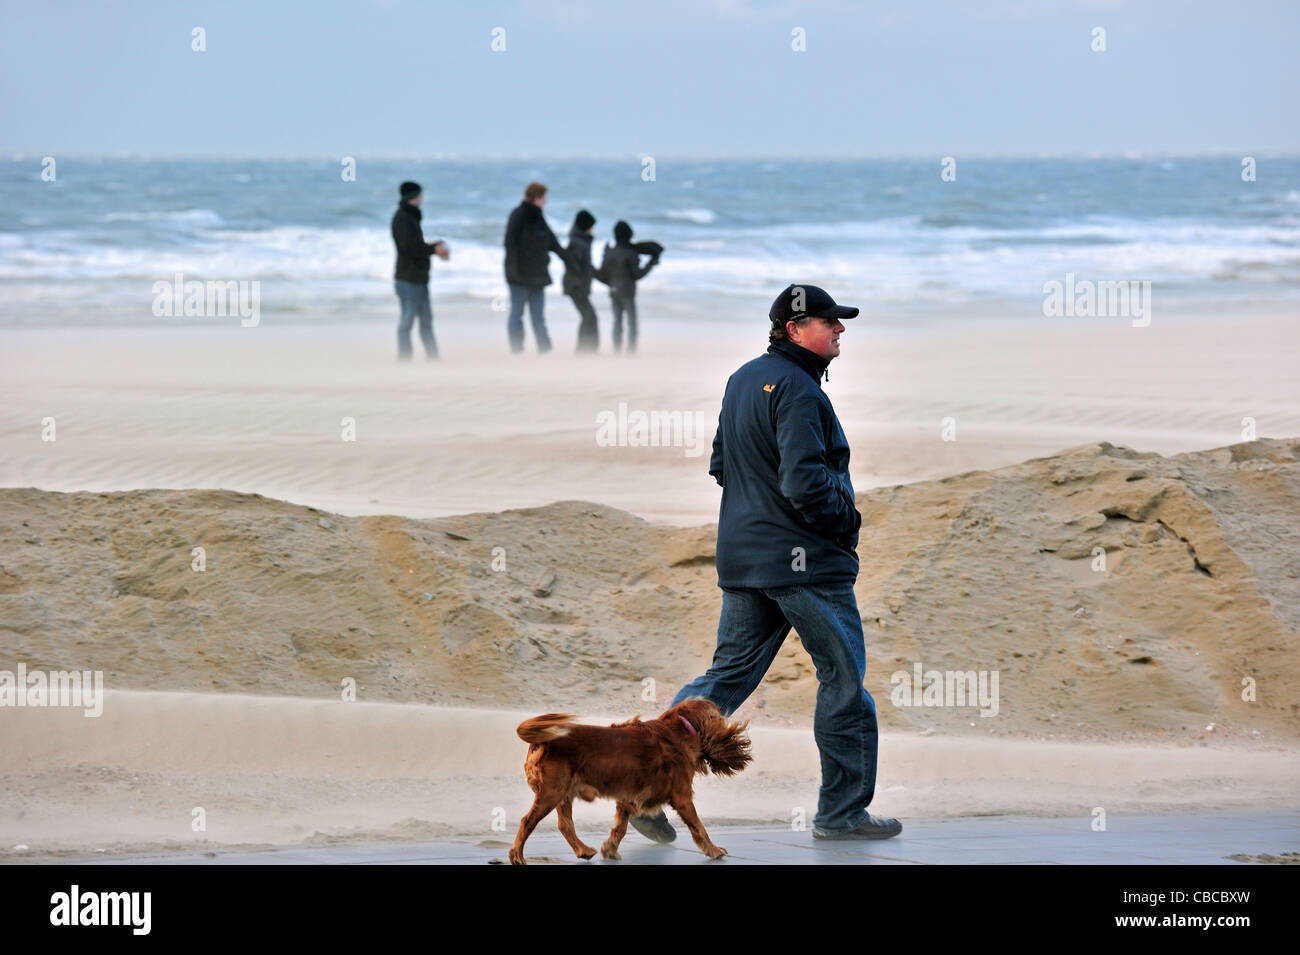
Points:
[(715, 78)]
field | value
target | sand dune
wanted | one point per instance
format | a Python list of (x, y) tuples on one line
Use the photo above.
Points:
[(574, 605)]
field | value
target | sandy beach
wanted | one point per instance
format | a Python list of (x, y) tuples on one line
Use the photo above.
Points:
[(373, 560), (260, 409), (275, 771)]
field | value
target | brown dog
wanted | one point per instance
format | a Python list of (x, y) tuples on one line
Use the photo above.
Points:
[(642, 765)]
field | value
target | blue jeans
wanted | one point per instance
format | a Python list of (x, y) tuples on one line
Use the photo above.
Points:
[(753, 625), (414, 299), (620, 307), (535, 298), (588, 326)]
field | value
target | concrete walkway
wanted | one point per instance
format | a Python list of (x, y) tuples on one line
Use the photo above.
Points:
[(1183, 839)]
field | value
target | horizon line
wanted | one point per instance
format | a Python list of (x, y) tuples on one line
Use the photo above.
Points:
[(13, 155)]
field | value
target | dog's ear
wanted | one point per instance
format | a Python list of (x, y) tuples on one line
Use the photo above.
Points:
[(697, 710), (724, 746), (683, 708)]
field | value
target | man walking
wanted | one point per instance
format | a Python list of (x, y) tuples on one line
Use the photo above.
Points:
[(786, 556), (529, 243), (411, 276)]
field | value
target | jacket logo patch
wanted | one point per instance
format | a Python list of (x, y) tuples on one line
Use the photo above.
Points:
[(768, 387)]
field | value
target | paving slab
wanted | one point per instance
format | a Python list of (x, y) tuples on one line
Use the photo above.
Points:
[(1178, 839)]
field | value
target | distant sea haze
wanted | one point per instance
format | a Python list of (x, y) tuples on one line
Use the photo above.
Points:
[(88, 246)]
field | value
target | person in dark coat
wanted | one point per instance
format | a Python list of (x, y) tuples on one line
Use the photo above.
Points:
[(620, 269), (529, 243), (411, 274), (787, 555), (578, 273)]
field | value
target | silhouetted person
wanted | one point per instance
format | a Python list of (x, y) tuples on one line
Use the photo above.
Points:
[(529, 243), (577, 280), (620, 269), (411, 275)]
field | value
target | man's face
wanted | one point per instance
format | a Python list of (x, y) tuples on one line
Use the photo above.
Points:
[(540, 201), (419, 198), (819, 335)]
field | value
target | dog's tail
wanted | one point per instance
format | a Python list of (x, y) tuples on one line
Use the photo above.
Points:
[(544, 728)]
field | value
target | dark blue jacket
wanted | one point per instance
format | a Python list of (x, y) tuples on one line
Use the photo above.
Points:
[(529, 243), (412, 251), (620, 269), (788, 515)]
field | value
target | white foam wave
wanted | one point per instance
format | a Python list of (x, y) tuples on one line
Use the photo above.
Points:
[(900, 259), (696, 216), (202, 218)]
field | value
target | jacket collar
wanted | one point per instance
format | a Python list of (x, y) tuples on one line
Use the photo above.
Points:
[(809, 361), (409, 209)]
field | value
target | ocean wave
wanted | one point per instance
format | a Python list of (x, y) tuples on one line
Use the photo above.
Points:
[(1102, 231), (895, 259), (696, 216), (188, 217)]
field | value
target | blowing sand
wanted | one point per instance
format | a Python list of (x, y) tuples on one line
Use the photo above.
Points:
[(260, 409), (532, 569), (276, 771)]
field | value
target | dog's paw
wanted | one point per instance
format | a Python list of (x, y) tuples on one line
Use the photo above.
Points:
[(586, 852), (517, 857), (717, 852), (609, 852)]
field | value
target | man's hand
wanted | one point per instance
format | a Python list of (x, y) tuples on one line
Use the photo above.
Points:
[(441, 251), (846, 540)]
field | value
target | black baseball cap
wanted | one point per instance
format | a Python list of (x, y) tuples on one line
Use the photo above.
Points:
[(806, 301)]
